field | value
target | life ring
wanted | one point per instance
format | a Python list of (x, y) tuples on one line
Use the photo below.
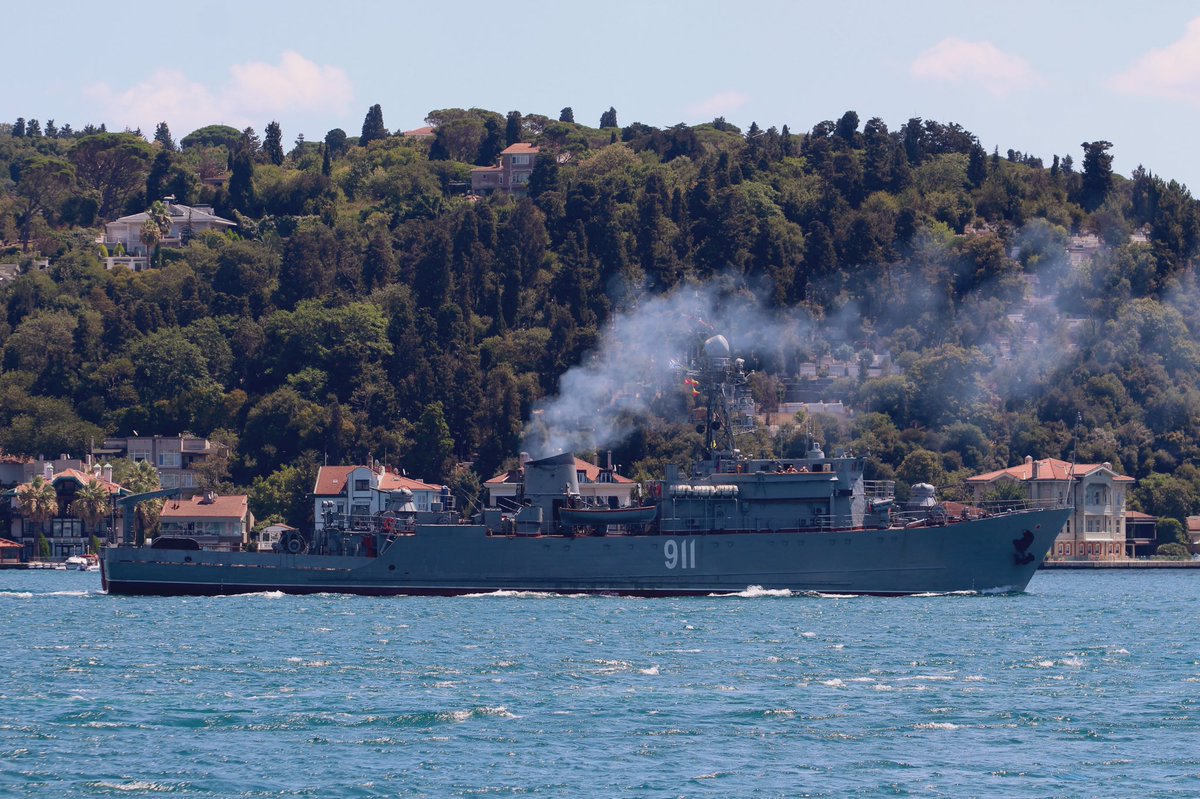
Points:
[(389, 524)]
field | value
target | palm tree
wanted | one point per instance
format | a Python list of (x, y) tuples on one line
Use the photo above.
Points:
[(139, 478), (91, 503), (38, 501), (156, 227)]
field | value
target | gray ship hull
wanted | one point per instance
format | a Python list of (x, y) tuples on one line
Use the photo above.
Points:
[(993, 554)]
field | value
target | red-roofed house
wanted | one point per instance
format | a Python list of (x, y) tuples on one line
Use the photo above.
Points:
[(419, 133), (512, 176), (215, 522), (361, 491), (1096, 530), (597, 486), (67, 534), (10, 552), (1193, 534)]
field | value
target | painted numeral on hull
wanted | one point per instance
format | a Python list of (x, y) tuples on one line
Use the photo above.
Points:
[(679, 554)]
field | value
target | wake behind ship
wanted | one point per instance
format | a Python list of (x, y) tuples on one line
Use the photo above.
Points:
[(810, 524)]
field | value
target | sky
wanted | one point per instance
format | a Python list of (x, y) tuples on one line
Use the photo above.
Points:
[(1038, 77)]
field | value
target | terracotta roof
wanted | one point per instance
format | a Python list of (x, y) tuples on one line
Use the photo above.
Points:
[(6, 544), (1134, 514), (1048, 469), (519, 148), (426, 131), (83, 478), (1193, 523), (486, 169), (6, 458), (234, 506), (590, 470), (331, 481)]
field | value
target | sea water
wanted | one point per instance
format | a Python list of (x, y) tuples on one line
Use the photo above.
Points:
[(1088, 685)]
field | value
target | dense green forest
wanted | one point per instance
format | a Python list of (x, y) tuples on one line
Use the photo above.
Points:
[(366, 307)]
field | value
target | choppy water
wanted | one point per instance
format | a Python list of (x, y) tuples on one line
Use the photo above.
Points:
[(1086, 686)]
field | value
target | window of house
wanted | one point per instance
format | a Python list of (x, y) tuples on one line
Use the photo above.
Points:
[(520, 160), (362, 485), (168, 460)]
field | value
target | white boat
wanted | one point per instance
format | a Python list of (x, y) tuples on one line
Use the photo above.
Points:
[(83, 563)]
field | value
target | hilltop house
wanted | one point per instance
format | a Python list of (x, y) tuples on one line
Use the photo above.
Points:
[(511, 176), (67, 534), (1096, 528), (363, 491), (215, 522), (597, 485), (186, 221)]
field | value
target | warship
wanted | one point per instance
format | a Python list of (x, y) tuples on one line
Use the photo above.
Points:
[(726, 523)]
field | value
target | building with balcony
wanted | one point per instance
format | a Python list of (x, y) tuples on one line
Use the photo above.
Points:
[(360, 492), (215, 522), (511, 176), (66, 533), (175, 457), (125, 234), (1096, 528)]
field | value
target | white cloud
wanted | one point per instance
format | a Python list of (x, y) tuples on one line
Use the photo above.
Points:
[(254, 94), (983, 64), (1172, 73), (717, 105)]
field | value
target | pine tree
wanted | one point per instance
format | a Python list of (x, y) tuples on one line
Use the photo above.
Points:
[(566, 115), (273, 143), (373, 129), (18, 130), (609, 118), (162, 135)]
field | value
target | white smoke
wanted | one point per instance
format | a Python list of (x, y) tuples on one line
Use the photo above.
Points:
[(643, 352)]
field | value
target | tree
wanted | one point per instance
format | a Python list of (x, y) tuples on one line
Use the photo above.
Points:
[(91, 503), (162, 135), (433, 445), (115, 165), (38, 500), (241, 181), (156, 227), (566, 115), (18, 130), (42, 184), (335, 142), (609, 118), (273, 143), (140, 477), (1097, 174), (373, 129), (512, 128)]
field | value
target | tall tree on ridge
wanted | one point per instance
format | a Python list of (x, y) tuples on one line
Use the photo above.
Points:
[(162, 135), (273, 143), (609, 118), (566, 115), (373, 129)]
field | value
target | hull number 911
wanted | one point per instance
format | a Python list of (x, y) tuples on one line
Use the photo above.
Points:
[(679, 554)]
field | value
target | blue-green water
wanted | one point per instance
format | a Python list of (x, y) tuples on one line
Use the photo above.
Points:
[(1088, 685)]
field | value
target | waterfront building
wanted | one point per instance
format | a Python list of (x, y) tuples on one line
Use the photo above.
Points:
[(363, 491), (1096, 528), (66, 533), (215, 522)]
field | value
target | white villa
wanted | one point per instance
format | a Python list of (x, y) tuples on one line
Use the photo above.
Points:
[(125, 234), (364, 491)]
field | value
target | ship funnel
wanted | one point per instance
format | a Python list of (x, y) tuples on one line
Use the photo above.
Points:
[(549, 481)]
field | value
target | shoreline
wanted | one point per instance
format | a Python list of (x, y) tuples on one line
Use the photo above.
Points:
[(1120, 564)]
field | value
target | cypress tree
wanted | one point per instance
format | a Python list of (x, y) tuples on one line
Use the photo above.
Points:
[(373, 129), (162, 135), (609, 118), (512, 128), (273, 143), (566, 115)]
